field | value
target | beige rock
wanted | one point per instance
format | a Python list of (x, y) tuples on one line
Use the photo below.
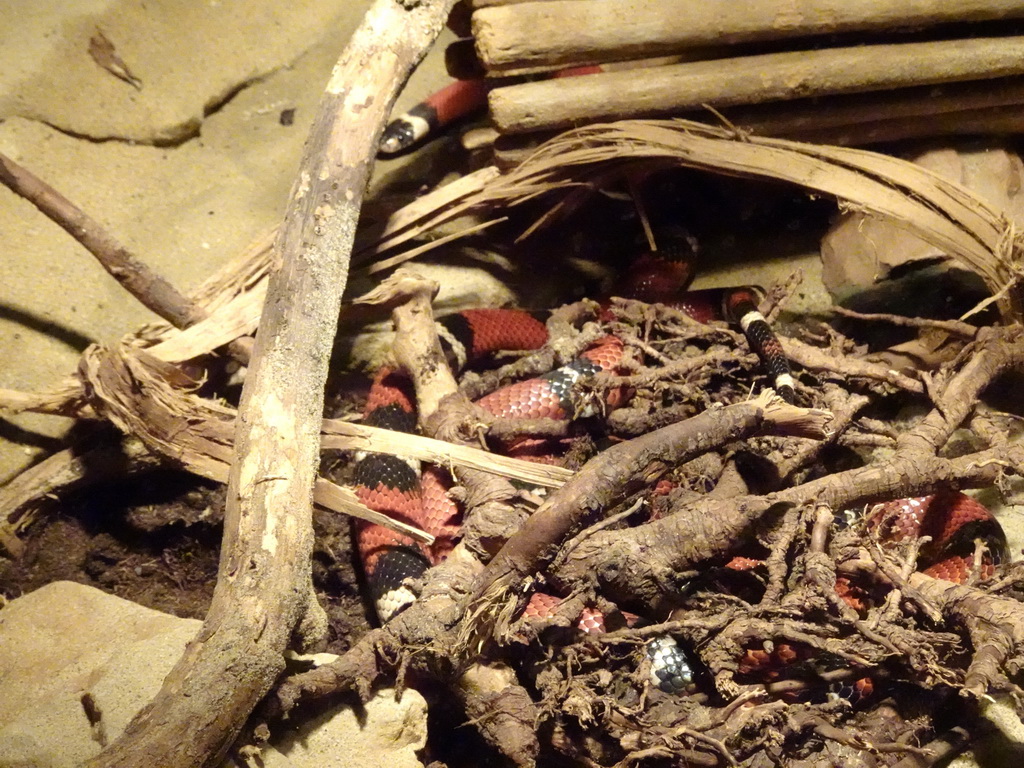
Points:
[(386, 734), (183, 208), (1004, 746), (860, 250), (189, 57), (67, 639)]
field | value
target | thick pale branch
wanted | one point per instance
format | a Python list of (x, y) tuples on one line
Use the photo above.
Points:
[(264, 600)]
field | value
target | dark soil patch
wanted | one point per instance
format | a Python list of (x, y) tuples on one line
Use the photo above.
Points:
[(155, 540)]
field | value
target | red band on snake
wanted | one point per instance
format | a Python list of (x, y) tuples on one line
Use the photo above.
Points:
[(955, 524), (397, 487), (456, 101)]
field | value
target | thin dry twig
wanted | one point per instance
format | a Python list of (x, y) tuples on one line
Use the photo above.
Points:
[(956, 327), (152, 290)]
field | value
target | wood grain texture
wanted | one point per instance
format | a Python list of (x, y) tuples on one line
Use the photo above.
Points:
[(263, 602), (553, 32), (565, 102)]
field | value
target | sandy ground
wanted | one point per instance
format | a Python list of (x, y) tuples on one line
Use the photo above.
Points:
[(185, 170)]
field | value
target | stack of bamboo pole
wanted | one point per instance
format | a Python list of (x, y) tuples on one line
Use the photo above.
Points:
[(838, 71)]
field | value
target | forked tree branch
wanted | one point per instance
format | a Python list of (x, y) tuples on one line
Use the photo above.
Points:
[(264, 599)]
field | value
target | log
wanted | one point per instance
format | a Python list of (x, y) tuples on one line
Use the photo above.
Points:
[(994, 121), (562, 103), (791, 118), (554, 32)]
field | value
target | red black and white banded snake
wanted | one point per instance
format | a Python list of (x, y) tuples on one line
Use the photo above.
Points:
[(952, 520), (418, 496), (458, 100), (405, 491), (453, 102)]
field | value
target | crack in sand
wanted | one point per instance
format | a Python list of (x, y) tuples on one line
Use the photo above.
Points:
[(174, 136)]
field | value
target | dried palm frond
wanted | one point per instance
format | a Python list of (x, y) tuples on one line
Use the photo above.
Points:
[(936, 209)]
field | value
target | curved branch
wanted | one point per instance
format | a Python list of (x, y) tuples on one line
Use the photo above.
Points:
[(642, 561), (264, 597)]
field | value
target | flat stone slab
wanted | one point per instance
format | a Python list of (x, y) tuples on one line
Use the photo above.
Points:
[(65, 640)]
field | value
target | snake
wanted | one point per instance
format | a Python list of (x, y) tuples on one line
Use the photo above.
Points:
[(456, 101), (418, 495), (954, 524)]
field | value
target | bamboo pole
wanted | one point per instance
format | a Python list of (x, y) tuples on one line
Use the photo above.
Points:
[(462, 63), (562, 103), (553, 32), (830, 112)]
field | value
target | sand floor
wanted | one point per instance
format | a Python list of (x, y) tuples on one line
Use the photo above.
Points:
[(185, 170)]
